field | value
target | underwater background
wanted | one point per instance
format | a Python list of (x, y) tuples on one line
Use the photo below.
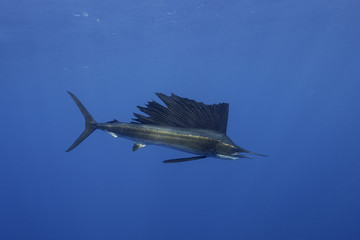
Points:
[(289, 69)]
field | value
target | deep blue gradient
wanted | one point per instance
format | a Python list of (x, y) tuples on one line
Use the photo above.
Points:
[(289, 69)]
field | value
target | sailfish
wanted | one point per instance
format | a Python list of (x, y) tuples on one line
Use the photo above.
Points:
[(182, 124)]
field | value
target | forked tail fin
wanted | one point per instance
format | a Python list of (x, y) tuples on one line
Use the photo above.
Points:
[(90, 123)]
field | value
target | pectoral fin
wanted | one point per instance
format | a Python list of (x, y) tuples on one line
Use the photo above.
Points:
[(242, 156), (183, 159), (138, 146)]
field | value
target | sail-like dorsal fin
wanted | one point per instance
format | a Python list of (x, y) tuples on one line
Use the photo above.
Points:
[(183, 112)]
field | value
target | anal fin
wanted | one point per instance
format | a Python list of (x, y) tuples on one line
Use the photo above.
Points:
[(138, 146), (113, 134)]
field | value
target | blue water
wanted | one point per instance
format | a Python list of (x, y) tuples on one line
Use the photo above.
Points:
[(289, 69)]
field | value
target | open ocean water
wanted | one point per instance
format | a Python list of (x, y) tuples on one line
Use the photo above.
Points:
[(289, 69)]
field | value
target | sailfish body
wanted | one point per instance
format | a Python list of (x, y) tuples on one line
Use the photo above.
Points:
[(184, 125)]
